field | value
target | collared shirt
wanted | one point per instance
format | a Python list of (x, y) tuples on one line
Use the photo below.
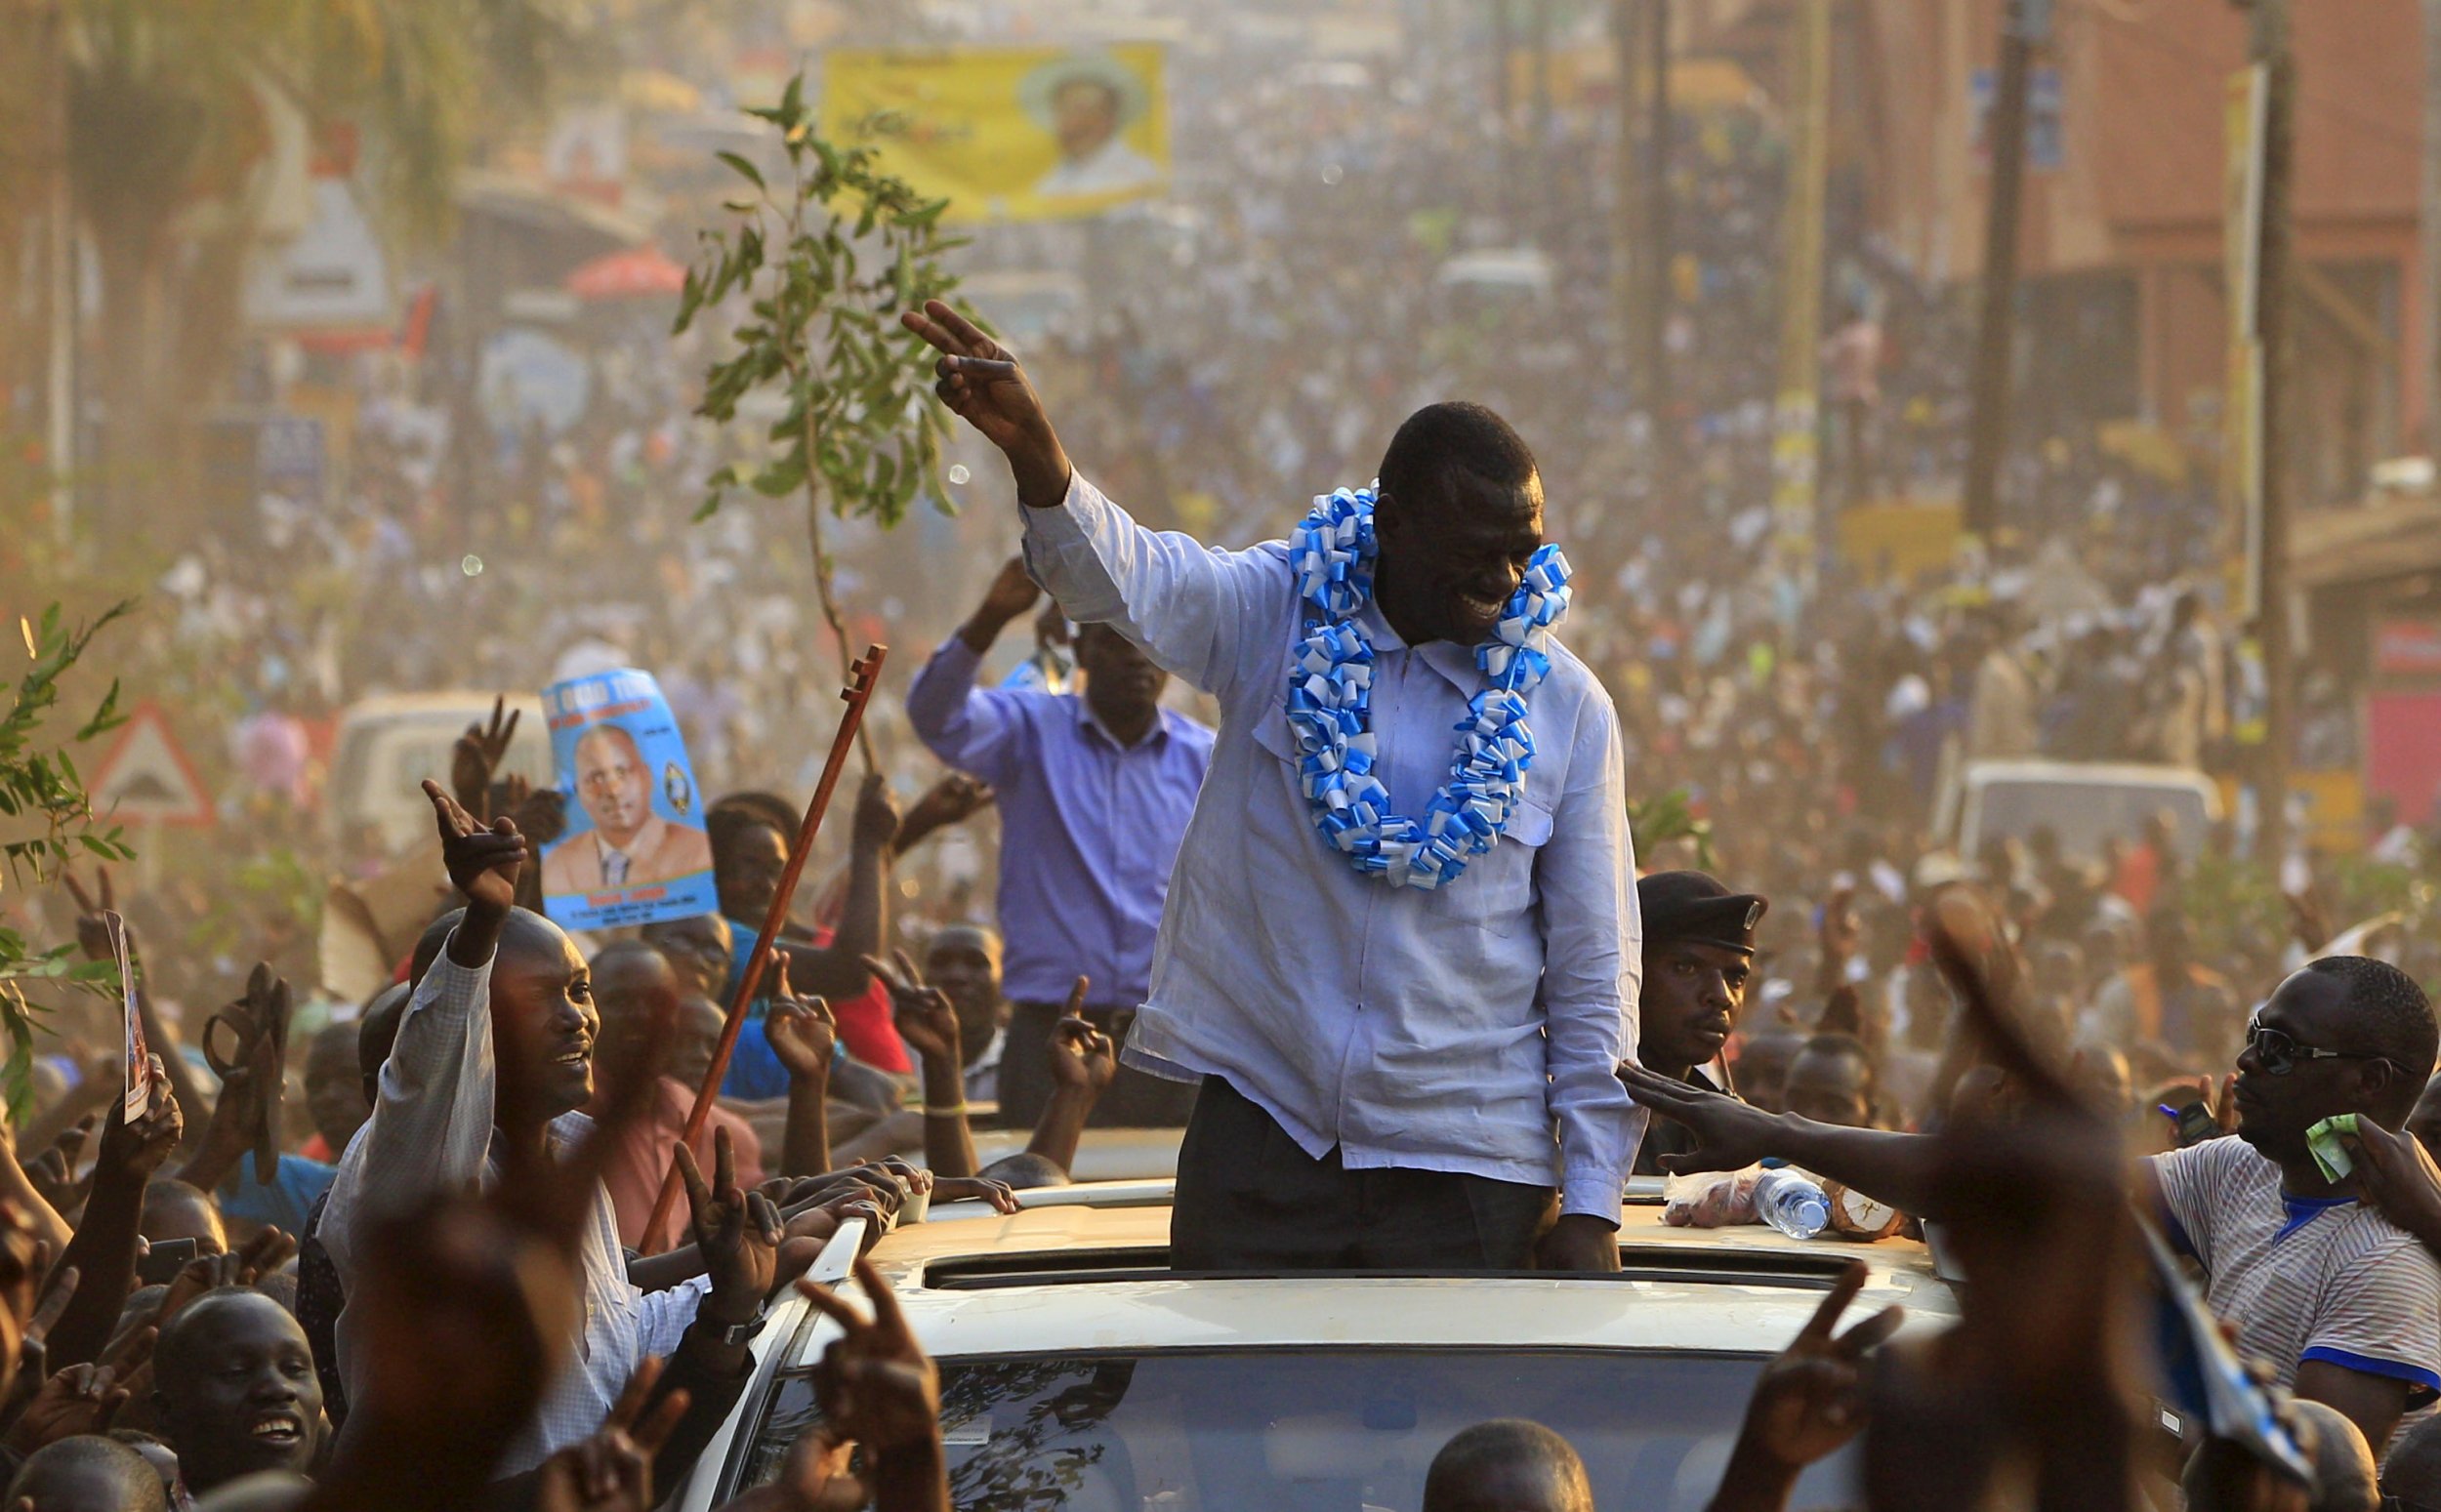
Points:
[(1454, 1030), (1088, 827), (432, 1132)]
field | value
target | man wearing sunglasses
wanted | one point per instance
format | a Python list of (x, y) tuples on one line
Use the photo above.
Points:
[(2344, 1303)]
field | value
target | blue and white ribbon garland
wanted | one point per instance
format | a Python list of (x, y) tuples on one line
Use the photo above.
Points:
[(1330, 707)]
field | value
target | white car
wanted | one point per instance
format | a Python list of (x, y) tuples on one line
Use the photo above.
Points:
[(1079, 1373)]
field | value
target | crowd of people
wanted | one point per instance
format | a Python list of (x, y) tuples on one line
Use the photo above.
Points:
[(424, 1252)]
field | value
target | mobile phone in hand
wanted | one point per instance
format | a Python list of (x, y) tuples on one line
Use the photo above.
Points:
[(161, 1266)]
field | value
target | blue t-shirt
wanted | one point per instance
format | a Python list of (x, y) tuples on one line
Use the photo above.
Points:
[(296, 1185)]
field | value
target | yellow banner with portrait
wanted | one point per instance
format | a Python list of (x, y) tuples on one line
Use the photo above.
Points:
[(1011, 133)]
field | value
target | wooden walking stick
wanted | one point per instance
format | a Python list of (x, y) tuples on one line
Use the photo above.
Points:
[(859, 689)]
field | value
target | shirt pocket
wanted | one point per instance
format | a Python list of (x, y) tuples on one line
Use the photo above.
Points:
[(1496, 890)]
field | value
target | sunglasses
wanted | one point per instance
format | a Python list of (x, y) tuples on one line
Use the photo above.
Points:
[(2278, 1052)]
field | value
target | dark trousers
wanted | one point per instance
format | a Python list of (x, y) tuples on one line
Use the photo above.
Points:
[(1133, 1101), (1250, 1198)]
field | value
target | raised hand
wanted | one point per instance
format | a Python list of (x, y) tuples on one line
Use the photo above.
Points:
[(981, 382), (133, 1151), (875, 1383), (476, 756), (53, 1172), (954, 798), (876, 815), (1810, 1400), (920, 1012), (738, 1233), (1011, 592), (1082, 1058), (612, 1470), (93, 932), (81, 1399), (483, 863), (1730, 1134), (802, 1033), (2395, 1175)]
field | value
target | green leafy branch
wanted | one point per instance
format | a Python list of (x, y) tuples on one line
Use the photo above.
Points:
[(44, 785), (41, 788), (822, 265), (1663, 817)]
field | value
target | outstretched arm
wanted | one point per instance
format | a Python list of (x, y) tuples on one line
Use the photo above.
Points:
[(1895, 1168), (1211, 617)]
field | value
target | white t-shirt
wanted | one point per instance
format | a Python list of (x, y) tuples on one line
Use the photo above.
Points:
[(2305, 1279)]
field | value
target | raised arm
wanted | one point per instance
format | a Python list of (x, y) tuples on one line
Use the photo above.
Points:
[(1207, 616), (973, 729), (836, 971), (1083, 1063), (929, 1025), (432, 1120), (803, 1036)]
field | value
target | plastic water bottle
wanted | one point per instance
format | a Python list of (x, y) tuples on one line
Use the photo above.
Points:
[(1792, 1204)]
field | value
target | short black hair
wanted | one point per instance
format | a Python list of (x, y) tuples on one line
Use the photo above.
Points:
[(139, 1483), (1441, 447), (2396, 1015), (1477, 1470), (728, 821)]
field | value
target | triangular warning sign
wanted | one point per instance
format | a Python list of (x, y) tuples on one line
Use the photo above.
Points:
[(147, 779)]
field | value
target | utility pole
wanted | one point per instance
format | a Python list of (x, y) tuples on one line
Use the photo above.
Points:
[(59, 296), (2270, 52), (2023, 24), (1797, 409)]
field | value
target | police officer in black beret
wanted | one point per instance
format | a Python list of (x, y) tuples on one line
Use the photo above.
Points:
[(1698, 952)]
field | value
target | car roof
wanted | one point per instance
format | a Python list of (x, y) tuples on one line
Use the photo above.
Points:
[(2108, 774), (1086, 1268)]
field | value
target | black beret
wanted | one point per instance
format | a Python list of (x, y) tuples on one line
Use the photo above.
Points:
[(1693, 907)]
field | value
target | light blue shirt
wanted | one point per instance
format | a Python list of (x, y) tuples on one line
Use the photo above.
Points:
[(1475, 1028)]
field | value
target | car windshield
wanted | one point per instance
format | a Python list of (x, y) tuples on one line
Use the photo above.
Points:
[(1313, 1430)]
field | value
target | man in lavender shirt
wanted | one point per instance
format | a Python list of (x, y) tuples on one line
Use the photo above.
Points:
[(1094, 792)]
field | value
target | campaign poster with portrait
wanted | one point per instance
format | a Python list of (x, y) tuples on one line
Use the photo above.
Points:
[(1009, 133), (634, 852)]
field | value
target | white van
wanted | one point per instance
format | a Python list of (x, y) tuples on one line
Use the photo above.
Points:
[(388, 745), (2084, 802)]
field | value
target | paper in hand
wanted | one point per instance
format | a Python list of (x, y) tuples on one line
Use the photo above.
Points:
[(137, 1095)]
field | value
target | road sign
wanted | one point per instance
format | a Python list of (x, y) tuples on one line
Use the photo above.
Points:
[(147, 779)]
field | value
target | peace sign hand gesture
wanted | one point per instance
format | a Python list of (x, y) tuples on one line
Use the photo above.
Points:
[(981, 382), (1810, 1400)]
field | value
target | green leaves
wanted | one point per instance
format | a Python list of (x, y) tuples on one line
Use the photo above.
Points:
[(820, 268), (43, 785)]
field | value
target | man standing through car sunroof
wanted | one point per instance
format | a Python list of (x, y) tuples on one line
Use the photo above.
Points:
[(1401, 950)]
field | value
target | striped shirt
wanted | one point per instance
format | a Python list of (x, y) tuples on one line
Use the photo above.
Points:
[(2304, 1278)]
